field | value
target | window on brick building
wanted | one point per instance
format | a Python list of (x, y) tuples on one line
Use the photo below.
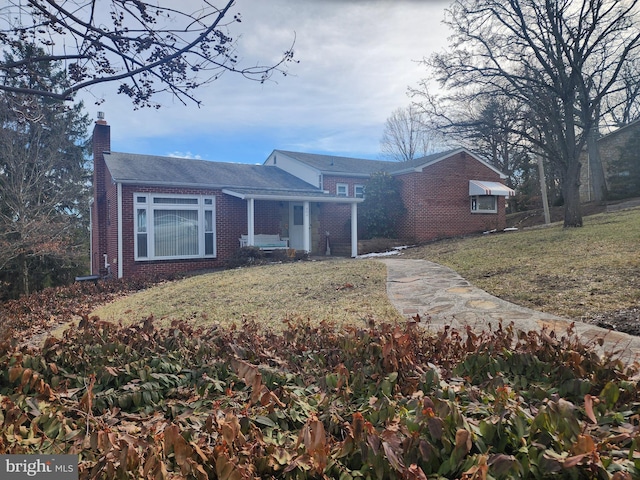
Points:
[(484, 204), (358, 191), (342, 189), (168, 227)]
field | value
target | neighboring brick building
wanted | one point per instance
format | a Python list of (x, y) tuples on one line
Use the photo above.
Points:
[(609, 147), (163, 215)]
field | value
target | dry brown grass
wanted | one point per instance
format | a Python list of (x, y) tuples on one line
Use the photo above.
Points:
[(569, 272), (574, 273), (343, 291)]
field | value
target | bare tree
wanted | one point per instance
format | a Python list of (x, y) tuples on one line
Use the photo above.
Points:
[(146, 47), (622, 106), (407, 136), (558, 58), (487, 125)]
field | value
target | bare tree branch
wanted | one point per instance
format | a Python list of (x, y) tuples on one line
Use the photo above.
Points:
[(407, 136), (145, 48), (559, 58)]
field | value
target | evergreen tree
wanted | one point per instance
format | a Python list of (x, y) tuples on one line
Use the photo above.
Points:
[(44, 185), (382, 207)]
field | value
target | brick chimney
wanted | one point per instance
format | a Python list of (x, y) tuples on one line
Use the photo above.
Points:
[(101, 143)]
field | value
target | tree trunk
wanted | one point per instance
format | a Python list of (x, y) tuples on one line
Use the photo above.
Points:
[(571, 194), (598, 184), (24, 274)]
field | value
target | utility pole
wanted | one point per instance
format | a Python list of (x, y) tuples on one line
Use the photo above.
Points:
[(543, 188)]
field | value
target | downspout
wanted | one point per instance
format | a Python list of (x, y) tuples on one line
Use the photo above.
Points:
[(119, 201)]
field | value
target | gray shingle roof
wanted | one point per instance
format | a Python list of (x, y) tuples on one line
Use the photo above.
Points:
[(418, 162), (358, 166), (338, 165), (170, 171)]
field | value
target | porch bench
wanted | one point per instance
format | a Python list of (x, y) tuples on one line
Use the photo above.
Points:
[(265, 241), (88, 278)]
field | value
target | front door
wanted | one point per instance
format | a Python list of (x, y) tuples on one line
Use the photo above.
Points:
[(296, 226)]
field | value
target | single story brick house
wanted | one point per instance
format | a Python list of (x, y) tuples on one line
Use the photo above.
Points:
[(163, 215)]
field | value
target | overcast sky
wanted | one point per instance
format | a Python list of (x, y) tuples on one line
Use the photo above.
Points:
[(356, 60)]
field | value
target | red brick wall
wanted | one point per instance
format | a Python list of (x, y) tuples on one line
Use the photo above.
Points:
[(268, 217), (101, 143), (231, 222), (329, 183), (438, 203), (336, 218)]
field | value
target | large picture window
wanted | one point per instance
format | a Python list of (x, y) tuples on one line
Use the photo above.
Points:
[(174, 226)]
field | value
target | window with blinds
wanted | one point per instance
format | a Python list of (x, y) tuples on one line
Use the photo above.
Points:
[(174, 227)]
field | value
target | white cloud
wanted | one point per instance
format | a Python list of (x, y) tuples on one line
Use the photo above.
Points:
[(184, 155), (356, 61)]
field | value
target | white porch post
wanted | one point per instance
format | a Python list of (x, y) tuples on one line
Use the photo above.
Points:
[(306, 236), (354, 229), (250, 222)]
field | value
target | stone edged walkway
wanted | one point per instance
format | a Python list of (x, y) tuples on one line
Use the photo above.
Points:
[(442, 297)]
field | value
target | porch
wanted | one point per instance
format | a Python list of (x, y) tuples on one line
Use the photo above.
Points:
[(308, 222)]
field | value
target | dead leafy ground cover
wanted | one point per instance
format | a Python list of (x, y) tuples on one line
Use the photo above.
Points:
[(590, 273), (387, 401)]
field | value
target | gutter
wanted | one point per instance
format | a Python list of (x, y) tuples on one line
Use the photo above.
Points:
[(292, 198)]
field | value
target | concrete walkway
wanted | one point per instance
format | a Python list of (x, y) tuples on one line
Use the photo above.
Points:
[(442, 297)]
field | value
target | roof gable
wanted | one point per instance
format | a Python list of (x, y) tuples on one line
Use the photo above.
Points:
[(622, 129), (348, 166), (420, 163)]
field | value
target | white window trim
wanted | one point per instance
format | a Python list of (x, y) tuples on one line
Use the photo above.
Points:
[(474, 204), (346, 189), (149, 206), (355, 191)]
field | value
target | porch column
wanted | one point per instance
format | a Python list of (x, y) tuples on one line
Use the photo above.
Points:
[(306, 236), (354, 230), (250, 222)]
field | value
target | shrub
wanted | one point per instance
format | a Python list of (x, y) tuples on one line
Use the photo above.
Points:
[(377, 245), (387, 401), (382, 207), (248, 256)]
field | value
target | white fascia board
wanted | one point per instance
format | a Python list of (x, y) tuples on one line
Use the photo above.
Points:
[(291, 198)]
